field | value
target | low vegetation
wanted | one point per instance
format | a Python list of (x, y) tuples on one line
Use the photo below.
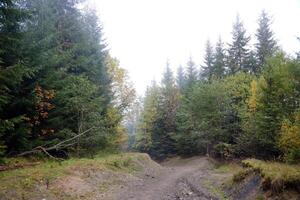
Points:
[(48, 176), (276, 176)]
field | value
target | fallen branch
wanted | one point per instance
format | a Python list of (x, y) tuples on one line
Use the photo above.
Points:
[(58, 146)]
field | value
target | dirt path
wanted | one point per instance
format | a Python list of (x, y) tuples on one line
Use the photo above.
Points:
[(184, 179)]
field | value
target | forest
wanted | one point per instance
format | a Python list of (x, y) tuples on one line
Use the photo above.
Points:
[(242, 102), (61, 91), (73, 126)]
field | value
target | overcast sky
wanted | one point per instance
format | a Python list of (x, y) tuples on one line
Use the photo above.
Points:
[(143, 34)]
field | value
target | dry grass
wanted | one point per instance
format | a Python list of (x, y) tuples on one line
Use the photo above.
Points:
[(276, 176), (22, 183)]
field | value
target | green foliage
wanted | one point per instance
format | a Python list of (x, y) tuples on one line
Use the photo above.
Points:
[(266, 45), (289, 139), (209, 59), (220, 56), (243, 104), (238, 52), (54, 78)]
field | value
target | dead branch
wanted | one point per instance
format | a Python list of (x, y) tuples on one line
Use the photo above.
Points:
[(58, 146)]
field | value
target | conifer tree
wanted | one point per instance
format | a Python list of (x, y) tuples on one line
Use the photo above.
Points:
[(13, 71), (238, 52), (191, 73), (146, 125), (209, 59), (220, 63), (180, 78), (266, 45), (165, 124)]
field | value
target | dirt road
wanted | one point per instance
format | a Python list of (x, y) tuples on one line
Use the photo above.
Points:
[(186, 179)]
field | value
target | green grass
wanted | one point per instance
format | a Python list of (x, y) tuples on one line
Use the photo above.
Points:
[(276, 176), (23, 180), (215, 191), (228, 168)]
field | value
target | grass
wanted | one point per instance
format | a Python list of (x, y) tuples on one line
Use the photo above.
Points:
[(214, 190), (228, 168), (276, 176), (24, 180)]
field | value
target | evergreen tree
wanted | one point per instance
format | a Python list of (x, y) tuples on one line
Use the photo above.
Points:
[(149, 113), (191, 73), (298, 54), (180, 79), (238, 52), (13, 71), (208, 67), (165, 124), (219, 64), (266, 45)]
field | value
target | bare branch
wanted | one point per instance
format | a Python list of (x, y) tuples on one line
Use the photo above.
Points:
[(60, 145)]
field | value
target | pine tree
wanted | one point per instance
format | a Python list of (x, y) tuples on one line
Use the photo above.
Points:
[(219, 64), (238, 51), (266, 45), (208, 67)]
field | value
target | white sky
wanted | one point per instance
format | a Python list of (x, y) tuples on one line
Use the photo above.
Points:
[(143, 34)]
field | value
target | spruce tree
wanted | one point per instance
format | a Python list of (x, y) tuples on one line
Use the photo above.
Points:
[(220, 63), (165, 124), (208, 67), (13, 71), (191, 73), (66, 48), (266, 45), (238, 52), (180, 78), (298, 54)]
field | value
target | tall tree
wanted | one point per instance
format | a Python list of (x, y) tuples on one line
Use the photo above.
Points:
[(219, 63), (191, 73), (208, 67), (165, 125), (238, 51), (180, 78), (13, 71), (146, 125), (298, 54), (266, 45)]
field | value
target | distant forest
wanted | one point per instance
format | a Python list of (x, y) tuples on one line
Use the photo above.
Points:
[(242, 102)]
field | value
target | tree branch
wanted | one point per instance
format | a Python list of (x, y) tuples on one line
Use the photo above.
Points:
[(60, 145)]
